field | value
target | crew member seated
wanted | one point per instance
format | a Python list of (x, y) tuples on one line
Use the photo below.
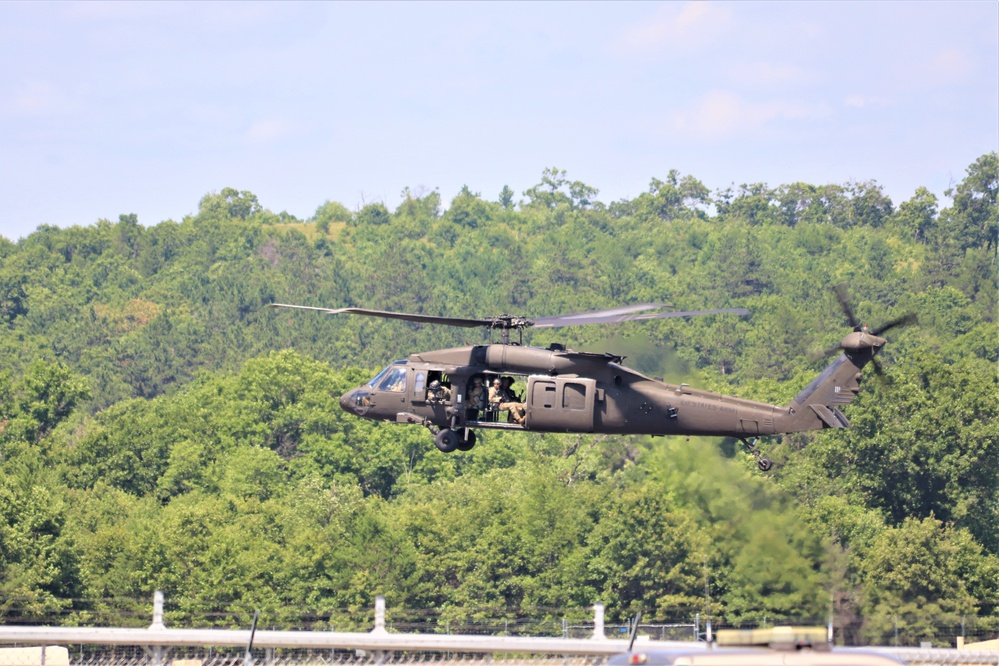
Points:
[(476, 398), (502, 398), (495, 395)]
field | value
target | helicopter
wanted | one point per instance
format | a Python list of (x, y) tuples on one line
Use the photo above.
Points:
[(570, 391)]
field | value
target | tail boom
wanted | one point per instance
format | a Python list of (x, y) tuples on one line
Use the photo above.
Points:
[(817, 406)]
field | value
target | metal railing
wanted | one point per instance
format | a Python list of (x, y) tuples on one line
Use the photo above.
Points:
[(577, 645)]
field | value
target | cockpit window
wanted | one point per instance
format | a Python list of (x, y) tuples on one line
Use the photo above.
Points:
[(374, 382), (395, 380)]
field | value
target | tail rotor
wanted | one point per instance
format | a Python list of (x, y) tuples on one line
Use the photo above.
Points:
[(844, 302)]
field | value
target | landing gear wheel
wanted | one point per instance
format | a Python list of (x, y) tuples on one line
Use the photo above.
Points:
[(765, 464), (446, 440), (467, 444)]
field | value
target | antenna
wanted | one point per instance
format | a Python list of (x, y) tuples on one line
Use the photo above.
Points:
[(634, 630), (248, 657)]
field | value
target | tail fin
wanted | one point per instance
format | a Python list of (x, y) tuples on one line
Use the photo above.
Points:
[(817, 406)]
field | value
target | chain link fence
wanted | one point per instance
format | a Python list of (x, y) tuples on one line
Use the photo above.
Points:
[(100, 655)]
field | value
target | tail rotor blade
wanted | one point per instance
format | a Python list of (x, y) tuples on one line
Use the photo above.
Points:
[(844, 302), (835, 349), (904, 320)]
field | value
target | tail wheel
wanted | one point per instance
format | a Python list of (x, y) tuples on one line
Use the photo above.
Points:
[(446, 440), (765, 464), (467, 444)]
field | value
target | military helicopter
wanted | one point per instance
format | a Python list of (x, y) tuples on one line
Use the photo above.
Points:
[(569, 391)]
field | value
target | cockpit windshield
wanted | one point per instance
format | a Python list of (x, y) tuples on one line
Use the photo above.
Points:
[(374, 382), (392, 378)]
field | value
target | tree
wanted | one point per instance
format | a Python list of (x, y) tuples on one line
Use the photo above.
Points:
[(506, 198), (468, 209), (44, 396), (647, 554), (373, 214), (925, 444), (869, 205), (754, 203), (229, 203), (328, 213), (973, 221), (921, 577), (917, 215), (422, 207), (39, 572), (551, 191), (673, 198)]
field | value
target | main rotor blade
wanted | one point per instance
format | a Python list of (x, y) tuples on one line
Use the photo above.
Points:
[(609, 315), (385, 314), (617, 316), (904, 320)]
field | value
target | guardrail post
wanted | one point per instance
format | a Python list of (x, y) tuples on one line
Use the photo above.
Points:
[(158, 654), (157, 611), (598, 622), (379, 616)]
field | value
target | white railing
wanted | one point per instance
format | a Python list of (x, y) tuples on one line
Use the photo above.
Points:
[(160, 646)]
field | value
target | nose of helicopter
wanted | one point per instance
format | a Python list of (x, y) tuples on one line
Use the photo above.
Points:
[(347, 401)]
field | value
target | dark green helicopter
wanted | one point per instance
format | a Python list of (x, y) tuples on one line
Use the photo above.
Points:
[(567, 391)]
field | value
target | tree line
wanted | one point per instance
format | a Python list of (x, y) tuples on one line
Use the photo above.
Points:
[(160, 428)]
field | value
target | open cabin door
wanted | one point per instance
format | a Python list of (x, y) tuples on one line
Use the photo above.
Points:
[(560, 403)]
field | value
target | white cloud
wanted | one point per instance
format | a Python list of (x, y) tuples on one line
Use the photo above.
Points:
[(265, 131), (721, 114), (864, 101), (767, 74), (694, 26), (949, 65), (37, 98)]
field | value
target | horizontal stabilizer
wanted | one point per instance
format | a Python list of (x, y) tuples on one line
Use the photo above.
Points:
[(830, 416)]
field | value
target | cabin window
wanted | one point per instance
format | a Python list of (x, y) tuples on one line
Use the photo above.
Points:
[(574, 396), (420, 382)]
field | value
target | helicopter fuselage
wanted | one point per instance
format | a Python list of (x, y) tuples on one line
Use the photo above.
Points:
[(563, 391)]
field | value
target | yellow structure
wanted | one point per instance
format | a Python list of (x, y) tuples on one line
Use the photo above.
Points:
[(786, 638), (48, 655)]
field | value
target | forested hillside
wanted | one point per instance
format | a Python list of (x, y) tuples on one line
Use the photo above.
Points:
[(160, 428)]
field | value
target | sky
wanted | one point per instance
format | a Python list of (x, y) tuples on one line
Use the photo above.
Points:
[(109, 108)]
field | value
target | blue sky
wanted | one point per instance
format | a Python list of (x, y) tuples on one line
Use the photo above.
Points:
[(143, 107)]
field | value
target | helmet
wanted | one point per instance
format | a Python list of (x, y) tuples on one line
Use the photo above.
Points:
[(435, 384)]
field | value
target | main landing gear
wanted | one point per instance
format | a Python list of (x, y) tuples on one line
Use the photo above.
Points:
[(448, 440), (765, 464)]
